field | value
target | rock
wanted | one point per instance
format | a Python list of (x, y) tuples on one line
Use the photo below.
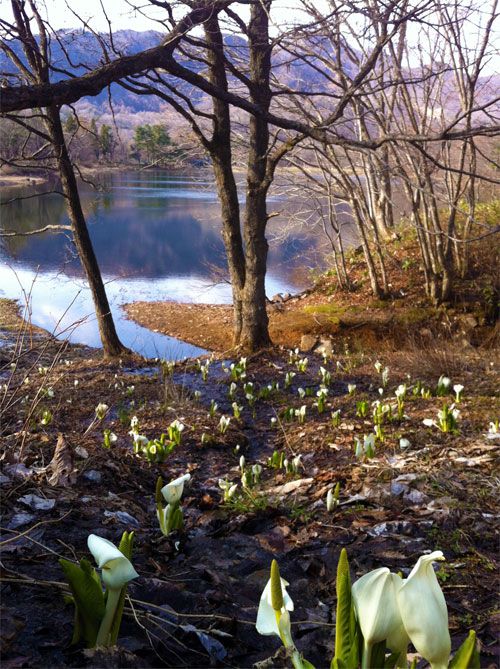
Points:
[(93, 476), (18, 471), (38, 503), (398, 488), (277, 298), (122, 517), (307, 343), (286, 297), (392, 527), (291, 486)]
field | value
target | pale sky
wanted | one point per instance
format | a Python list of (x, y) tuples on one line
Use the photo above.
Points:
[(123, 16)]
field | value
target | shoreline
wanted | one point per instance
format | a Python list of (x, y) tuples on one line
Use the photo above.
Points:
[(20, 178)]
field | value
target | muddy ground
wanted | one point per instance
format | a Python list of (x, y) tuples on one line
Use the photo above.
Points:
[(195, 602)]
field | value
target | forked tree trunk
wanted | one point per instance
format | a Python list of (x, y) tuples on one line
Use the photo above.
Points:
[(220, 152), (111, 344), (247, 253)]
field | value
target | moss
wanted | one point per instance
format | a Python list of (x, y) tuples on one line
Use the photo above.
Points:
[(334, 310), (327, 309), (413, 315), (380, 304)]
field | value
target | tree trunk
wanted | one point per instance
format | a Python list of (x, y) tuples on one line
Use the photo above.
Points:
[(246, 262), (220, 152), (112, 346), (255, 331), (231, 232)]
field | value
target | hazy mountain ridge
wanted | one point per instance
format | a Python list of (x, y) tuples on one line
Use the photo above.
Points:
[(83, 51)]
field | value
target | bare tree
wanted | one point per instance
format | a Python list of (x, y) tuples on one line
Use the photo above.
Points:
[(36, 69), (355, 100), (423, 91)]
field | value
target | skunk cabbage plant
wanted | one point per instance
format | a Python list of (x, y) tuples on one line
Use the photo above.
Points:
[(98, 615), (273, 616), (424, 612), (170, 517), (380, 611)]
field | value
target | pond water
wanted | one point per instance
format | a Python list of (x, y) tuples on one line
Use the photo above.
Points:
[(157, 236)]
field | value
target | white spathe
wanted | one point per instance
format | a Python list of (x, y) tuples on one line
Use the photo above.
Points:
[(424, 612), (377, 611), (266, 615), (172, 492), (117, 570)]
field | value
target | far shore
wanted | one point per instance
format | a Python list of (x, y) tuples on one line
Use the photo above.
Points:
[(10, 178), (20, 180)]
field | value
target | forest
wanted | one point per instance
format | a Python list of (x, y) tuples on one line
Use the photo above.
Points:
[(314, 481)]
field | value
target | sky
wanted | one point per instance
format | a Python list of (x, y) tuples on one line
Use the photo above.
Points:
[(123, 16)]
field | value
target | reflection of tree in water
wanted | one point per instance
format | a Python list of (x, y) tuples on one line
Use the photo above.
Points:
[(147, 236), (154, 247), (150, 242), (31, 213)]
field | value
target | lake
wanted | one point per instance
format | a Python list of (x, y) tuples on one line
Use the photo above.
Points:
[(157, 236)]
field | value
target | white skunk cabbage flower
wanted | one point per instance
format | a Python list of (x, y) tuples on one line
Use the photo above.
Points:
[(377, 610), (257, 469), (330, 501), (177, 425), (443, 382), (424, 612), (267, 617), (117, 570), (172, 492), (101, 410)]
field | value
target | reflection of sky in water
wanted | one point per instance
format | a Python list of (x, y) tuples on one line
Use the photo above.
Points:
[(58, 302), (154, 241)]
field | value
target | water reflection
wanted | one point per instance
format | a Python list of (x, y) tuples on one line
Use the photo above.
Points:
[(156, 237)]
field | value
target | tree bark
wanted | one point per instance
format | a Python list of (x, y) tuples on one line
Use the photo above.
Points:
[(247, 253), (220, 152), (255, 331), (111, 344)]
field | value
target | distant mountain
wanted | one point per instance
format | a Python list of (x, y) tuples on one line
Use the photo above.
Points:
[(77, 52), (84, 53)]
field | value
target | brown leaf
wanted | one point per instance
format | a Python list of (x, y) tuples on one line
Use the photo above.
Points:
[(62, 464)]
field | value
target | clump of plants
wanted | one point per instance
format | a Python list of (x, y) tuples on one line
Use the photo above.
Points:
[(98, 613), (377, 618)]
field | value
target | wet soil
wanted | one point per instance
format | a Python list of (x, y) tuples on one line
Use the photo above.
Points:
[(195, 602)]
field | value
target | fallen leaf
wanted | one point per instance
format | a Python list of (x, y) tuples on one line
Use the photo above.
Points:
[(62, 464)]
